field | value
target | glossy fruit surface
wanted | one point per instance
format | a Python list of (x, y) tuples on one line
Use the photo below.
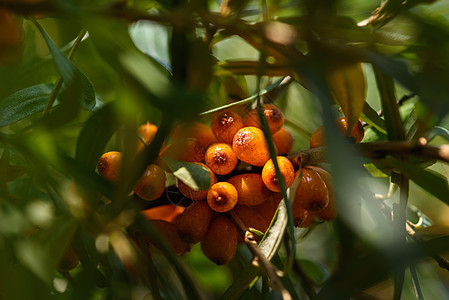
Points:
[(273, 115), (220, 242), (312, 194), (222, 197), (151, 184), (251, 218), (221, 158), (109, 166), (225, 124), (196, 195), (268, 208), (146, 134), (194, 222), (250, 146), (283, 140), (250, 188), (269, 173)]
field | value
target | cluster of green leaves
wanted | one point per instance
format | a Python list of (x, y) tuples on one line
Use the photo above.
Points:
[(93, 71)]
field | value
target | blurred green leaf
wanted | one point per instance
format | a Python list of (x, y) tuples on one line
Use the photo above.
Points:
[(438, 131), (42, 250), (370, 116), (347, 83), (315, 270), (69, 71), (24, 103), (195, 176)]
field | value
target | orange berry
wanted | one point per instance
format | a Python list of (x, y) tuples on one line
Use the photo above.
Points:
[(170, 233), (250, 188), (69, 260), (109, 166), (225, 124), (168, 212), (269, 173), (312, 194), (250, 146), (151, 184), (11, 38), (222, 197), (330, 212), (251, 218), (193, 194), (269, 207), (221, 158), (301, 217), (193, 223), (283, 140), (188, 149), (273, 114), (146, 134), (318, 137), (220, 242), (197, 130)]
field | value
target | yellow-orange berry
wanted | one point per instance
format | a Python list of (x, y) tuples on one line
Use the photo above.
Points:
[(268, 208), (318, 137), (151, 184), (250, 146), (220, 242), (188, 149), (330, 212), (301, 217), (168, 212), (225, 124), (170, 233), (69, 260), (283, 140), (200, 131), (312, 194), (222, 197), (269, 173), (193, 223), (196, 195), (250, 188), (274, 116), (146, 134), (109, 166), (221, 158)]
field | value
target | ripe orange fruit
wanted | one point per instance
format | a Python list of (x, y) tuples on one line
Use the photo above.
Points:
[(222, 197), (168, 212), (268, 208), (193, 223), (283, 140), (312, 194), (225, 124), (251, 218), (200, 131), (269, 173), (170, 233), (301, 217), (273, 114), (193, 194), (221, 158), (330, 212), (220, 242), (250, 146), (188, 149), (146, 134), (151, 184), (250, 188), (109, 166), (318, 136)]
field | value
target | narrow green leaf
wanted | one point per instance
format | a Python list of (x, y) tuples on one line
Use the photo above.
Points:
[(438, 131), (432, 182), (347, 83), (69, 71), (370, 116), (41, 251), (24, 103), (194, 175)]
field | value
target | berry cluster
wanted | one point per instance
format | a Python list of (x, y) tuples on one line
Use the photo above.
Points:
[(243, 181)]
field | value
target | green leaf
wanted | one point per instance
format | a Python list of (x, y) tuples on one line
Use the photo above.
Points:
[(95, 134), (24, 103), (370, 116), (69, 71), (347, 83), (194, 175), (438, 131), (42, 251), (432, 182)]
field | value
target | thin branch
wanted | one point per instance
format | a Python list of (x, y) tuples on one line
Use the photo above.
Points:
[(259, 258)]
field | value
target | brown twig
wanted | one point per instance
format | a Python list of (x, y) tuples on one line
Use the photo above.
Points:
[(259, 259)]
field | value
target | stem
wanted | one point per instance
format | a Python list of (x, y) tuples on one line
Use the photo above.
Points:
[(415, 280), (59, 82)]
